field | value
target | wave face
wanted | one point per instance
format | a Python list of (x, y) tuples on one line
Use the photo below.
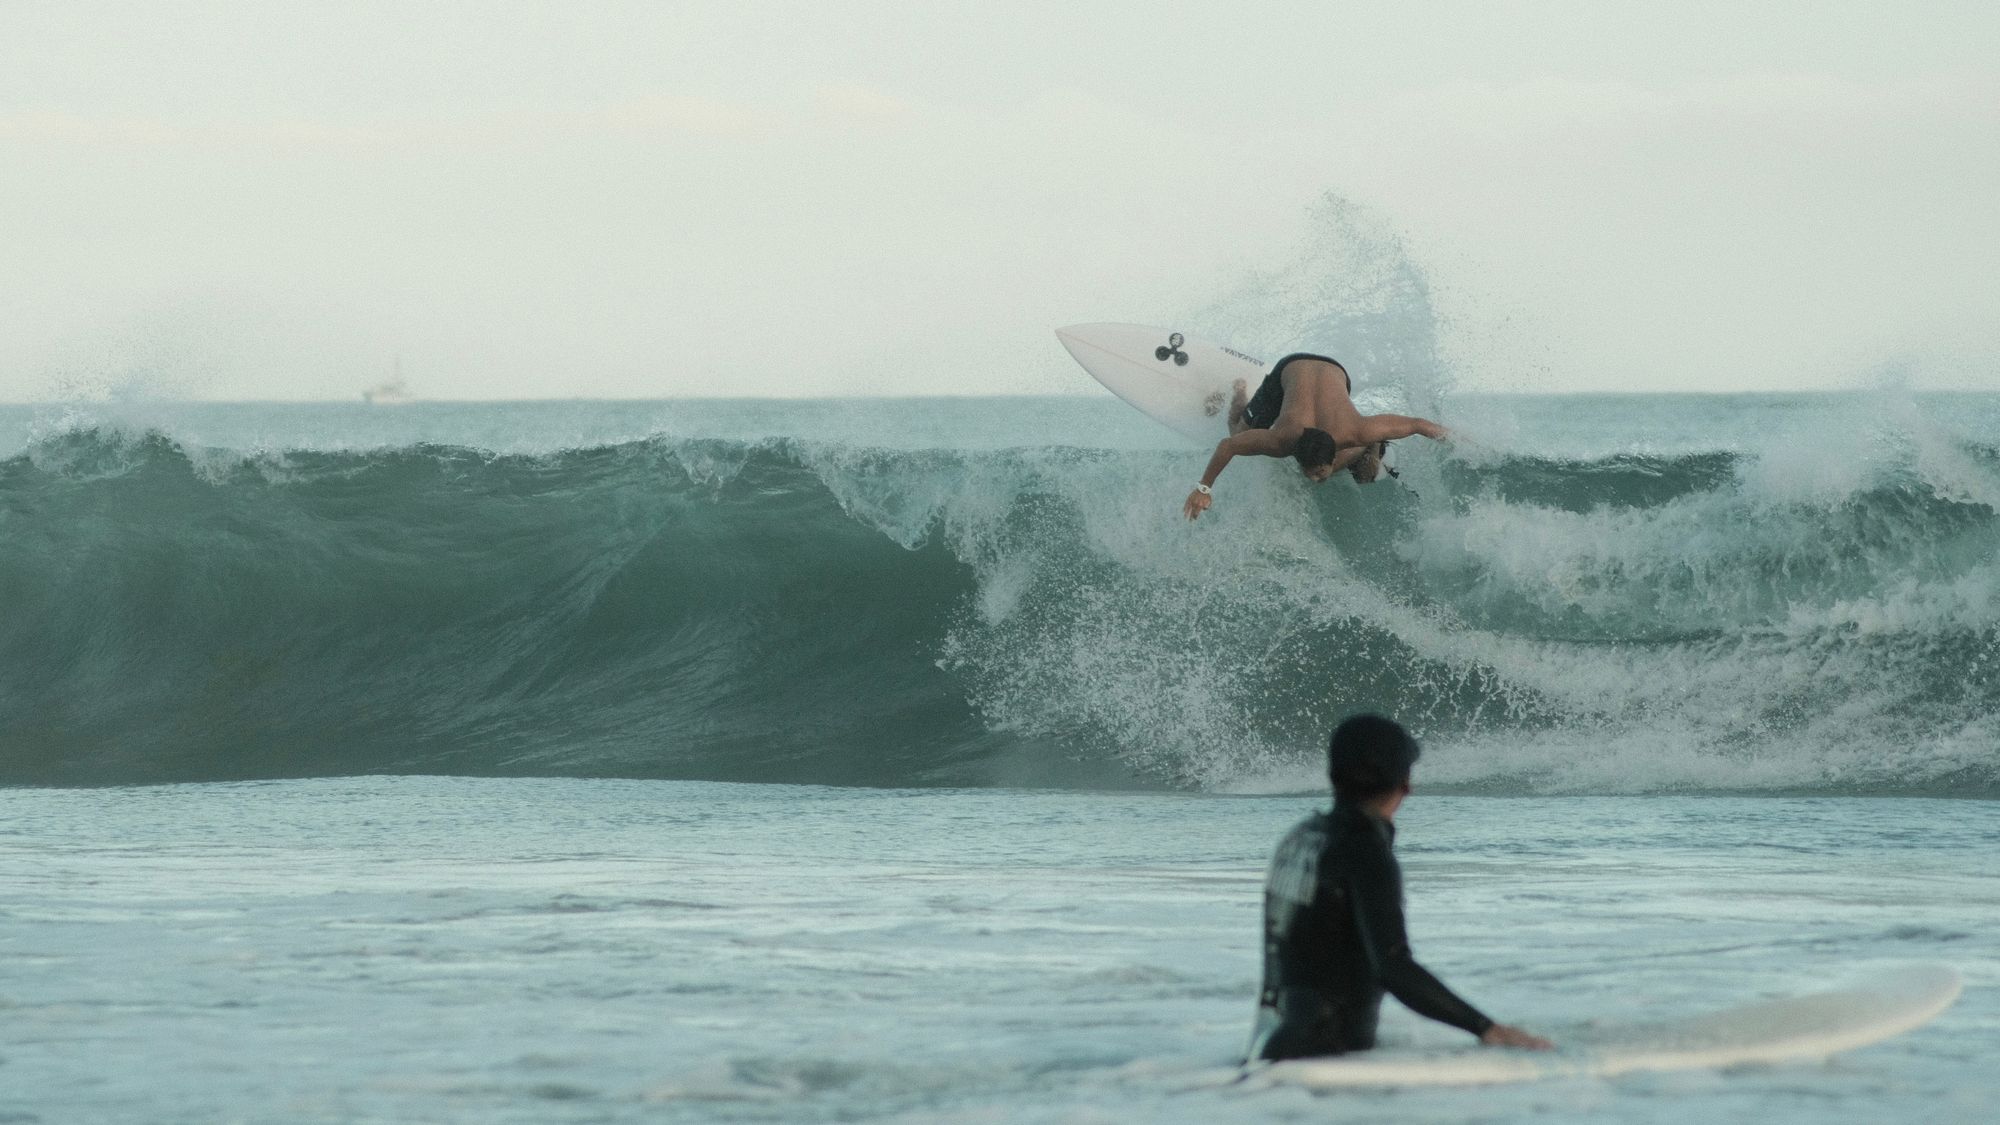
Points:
[(785, 610), (697, 610)]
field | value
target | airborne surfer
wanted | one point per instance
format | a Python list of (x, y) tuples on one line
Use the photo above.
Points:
[(1333, 915), (1303, 410)]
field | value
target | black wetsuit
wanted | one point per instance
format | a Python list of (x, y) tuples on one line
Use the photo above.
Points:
[(1263, 408), (1334, 942)]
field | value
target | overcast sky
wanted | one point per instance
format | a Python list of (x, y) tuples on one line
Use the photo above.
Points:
[(278, 199)]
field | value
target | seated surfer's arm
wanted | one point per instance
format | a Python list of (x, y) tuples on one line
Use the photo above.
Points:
[(1390, 427), (1377, 895), (1262, 442)]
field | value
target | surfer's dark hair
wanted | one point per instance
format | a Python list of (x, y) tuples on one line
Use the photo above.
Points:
[(1369, 756), (1315, 448)]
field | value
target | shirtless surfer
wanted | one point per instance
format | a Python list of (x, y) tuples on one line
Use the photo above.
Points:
[(1303, 411)]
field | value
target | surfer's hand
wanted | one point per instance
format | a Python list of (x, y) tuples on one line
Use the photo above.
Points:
[(1197, 503), (1505, 1035)]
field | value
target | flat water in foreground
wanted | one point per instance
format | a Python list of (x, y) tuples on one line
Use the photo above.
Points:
[(433, 949)]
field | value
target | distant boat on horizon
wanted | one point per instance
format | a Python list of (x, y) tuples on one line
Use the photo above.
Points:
[(395, 392)]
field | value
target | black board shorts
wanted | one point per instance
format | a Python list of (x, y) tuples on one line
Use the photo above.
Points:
[(1270, 397)]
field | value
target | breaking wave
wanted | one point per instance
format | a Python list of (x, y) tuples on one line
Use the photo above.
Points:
[(784, 610)]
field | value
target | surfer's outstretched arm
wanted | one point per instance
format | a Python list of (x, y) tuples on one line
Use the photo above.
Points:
[(1389, 427), (1262, 442)]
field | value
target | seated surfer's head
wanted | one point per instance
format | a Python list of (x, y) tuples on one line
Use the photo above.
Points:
[(1314, 453), (1368, 466), (1369, 759)]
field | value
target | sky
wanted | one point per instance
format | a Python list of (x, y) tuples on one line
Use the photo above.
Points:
[(292, 200)]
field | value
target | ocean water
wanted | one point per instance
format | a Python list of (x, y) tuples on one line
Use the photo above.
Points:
[(914, 760), (403, 949)]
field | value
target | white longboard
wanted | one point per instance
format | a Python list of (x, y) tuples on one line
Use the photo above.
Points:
[(1180, 382), (1802, 1027)]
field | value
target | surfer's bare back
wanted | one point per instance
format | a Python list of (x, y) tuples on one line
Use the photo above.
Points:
[(1303, 410)]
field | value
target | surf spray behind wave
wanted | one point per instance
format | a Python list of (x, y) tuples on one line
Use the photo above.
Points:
[(829, 612), (1353, 288)]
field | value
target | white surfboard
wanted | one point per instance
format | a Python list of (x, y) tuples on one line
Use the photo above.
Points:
[(1802, 1027), (1180, 382)]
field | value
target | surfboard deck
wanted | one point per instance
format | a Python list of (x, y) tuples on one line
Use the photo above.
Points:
[(1178, 381), (1813, 1026)]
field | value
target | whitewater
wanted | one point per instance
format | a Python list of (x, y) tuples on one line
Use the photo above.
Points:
[(914, 760)]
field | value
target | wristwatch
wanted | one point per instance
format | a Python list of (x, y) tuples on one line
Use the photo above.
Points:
[(1203, 489)]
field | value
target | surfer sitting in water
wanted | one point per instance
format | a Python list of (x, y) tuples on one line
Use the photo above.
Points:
[(1303, 410), (1333, 915)]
